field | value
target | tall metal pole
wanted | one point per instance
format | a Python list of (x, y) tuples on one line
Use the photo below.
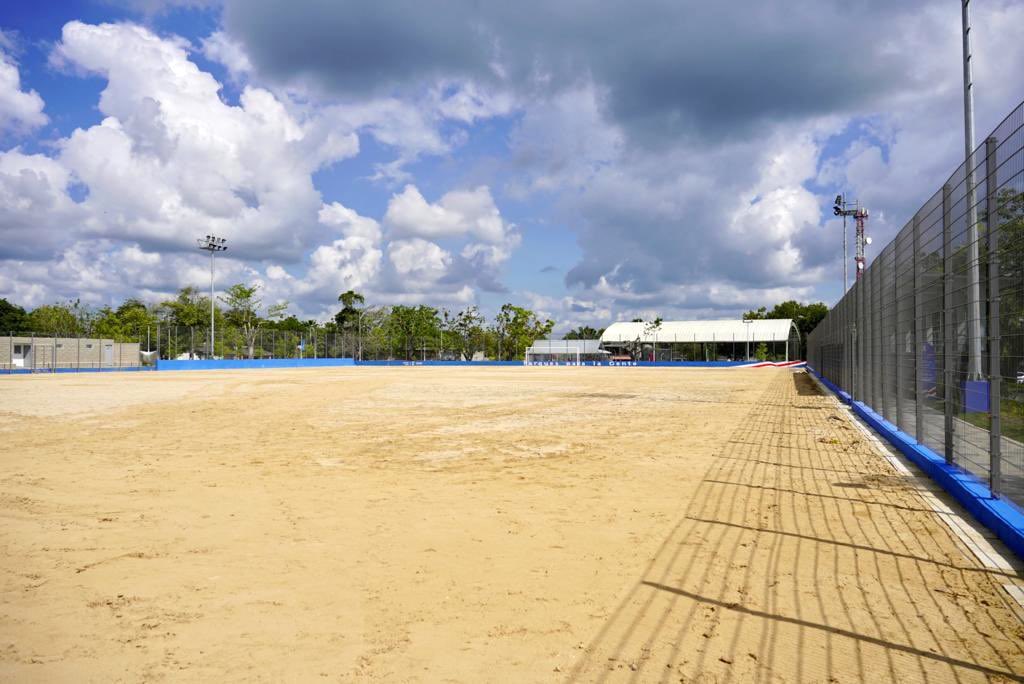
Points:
[(974, 268), (212, 257), (211, 244), (841, 208)]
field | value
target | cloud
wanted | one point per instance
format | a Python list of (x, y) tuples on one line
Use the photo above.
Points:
[(670, 69), (683, 144), (458, 213), (469, 219), (218, 47), (692, 151), (36, 213), (171, 159), (20, 110), (242, 172), (419, 262)]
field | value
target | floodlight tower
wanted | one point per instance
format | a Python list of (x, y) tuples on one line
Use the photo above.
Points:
[(211, 244)]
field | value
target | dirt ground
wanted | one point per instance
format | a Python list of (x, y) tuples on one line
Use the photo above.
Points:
[(474, 524)]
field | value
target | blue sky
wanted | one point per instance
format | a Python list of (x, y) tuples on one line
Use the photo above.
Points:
[(594, 165)]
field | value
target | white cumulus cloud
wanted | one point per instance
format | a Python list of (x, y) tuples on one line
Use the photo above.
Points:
[(457, 213), (20, 110)]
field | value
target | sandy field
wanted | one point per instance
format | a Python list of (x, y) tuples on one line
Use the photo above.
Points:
[(473, 525)]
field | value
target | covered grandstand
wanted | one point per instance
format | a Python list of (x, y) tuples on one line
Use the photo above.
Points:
[(769, 340), (745, 340)]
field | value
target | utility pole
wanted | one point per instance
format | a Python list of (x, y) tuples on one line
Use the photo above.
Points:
[(212, 245), (973, 267), (844, 208)]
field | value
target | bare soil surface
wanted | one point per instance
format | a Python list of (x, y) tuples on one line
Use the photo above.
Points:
[(474, 524)]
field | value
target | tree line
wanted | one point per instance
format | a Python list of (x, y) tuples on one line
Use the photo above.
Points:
[(399, 331), (404, 331)]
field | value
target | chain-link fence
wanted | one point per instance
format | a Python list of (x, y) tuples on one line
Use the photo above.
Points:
[(931, 336), (186, 342), (29, 351)]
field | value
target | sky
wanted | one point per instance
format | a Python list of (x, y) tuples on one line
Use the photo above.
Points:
[(594, 161)]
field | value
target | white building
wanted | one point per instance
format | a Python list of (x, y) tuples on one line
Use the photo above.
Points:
[(775, 339)]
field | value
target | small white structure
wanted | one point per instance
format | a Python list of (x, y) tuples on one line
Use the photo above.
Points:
[(33, 353), (575, 351)]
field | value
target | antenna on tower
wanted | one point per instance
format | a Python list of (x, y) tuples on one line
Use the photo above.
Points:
[(845, 208)]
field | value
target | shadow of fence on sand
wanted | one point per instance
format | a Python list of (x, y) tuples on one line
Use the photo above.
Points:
[(804, 556)]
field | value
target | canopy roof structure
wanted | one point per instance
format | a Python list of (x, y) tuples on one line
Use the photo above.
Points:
[(772, 330)]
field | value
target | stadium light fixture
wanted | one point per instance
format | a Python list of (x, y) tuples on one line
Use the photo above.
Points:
[(212, 244)]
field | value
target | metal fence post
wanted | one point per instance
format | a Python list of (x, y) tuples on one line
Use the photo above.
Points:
[(994, 336), (858, 361), (896, 339), (877, 351), (948, 320), (918, 335), (848, 326)]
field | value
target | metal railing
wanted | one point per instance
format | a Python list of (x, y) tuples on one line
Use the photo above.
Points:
[(931, 336)]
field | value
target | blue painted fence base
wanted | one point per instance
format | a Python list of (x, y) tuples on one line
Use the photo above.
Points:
[(998, 515), (217, 364), (221, 364), (638, 364), (46, 371)]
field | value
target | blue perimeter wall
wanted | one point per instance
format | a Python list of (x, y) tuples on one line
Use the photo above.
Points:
[(44, 371), (216, 364), (642, 364), (678, 364), (220, 364), (999, 515)]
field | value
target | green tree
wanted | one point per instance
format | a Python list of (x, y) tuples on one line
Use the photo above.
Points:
[(243, 313), (291, 324), (517, 328), (129, 322), (62, 320), (805, 316), (374, 338), (467, 329), (188, 308), (348, 318), (412, 327), (583, 332), (12, 317)]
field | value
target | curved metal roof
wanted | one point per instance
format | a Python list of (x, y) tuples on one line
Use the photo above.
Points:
[(777, 330)]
